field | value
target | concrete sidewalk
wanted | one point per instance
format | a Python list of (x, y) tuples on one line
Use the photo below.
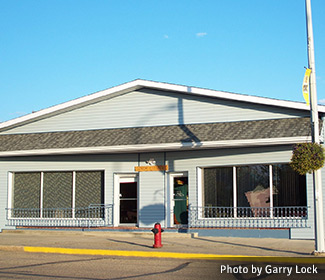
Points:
[(180, 245)]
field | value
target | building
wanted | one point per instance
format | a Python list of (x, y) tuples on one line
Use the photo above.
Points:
[(146, 152)]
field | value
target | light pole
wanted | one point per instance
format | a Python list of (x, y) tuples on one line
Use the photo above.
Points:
[(317, 179)]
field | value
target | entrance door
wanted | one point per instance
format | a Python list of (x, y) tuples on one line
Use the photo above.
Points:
[(128, 201), (180, 200)]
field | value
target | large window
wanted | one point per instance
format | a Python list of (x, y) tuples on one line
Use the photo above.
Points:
[(252, 190), (26, 191), (89, 188), (289, 187), (218, 186), (55, 194), (57, 189)]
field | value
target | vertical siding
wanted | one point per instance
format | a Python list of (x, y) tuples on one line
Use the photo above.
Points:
[(153, 108)]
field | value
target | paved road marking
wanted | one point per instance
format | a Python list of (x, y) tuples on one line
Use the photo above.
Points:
[(157, 254)]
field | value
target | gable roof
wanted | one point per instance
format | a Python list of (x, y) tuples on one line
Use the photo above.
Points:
[(161, 138), (138, 84)]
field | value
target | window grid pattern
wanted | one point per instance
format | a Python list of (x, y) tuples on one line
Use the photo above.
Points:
[(253, 191), (56, 194)]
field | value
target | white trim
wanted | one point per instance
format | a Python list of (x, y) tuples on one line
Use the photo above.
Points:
[(66, 105), (41, 191), (10, 191), (73, 193), (123, 178), (271, 189), (128, 179), (137, 84), (41, 194), (199, 172), (234, 189), (227, 95), (235, 185), (171, 202), (161, 147), (179, 174), (116, 206)]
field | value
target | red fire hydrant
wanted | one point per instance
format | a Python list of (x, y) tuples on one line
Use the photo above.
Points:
[(157, 230)]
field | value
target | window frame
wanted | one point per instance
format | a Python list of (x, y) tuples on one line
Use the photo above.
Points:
[(200, 180), (11, 198)]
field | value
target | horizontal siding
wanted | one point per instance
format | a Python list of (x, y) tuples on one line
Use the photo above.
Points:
[(152, 204), (109, 163), (151, 199), (309, 232), (189, 161), (153, 185), (152, 108), (3, 195)]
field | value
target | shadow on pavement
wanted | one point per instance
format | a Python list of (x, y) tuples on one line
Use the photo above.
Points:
[(254, 247), (128, 242)]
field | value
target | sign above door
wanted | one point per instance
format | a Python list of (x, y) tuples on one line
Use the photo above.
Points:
[(151, 168)]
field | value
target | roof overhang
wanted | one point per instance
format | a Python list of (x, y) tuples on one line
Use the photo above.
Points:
[(160, 147)]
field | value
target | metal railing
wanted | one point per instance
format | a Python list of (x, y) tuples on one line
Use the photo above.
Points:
[(92, 216), (199, 217), (248, 217)]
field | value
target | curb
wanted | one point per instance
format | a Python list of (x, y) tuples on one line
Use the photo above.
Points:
[(50, 232), (173, 255)]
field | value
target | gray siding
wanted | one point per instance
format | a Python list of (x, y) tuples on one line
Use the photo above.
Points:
[(108, 163), (189, 161), (152, 204), (311, 213), (152, 108), (153, 185), (309, 232), (3, 195)]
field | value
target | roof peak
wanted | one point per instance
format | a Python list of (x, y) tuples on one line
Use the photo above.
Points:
[(141, 83)]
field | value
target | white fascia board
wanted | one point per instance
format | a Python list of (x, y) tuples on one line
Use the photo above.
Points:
[(97, 95), (161, 147), (137, 84), (230, 96)]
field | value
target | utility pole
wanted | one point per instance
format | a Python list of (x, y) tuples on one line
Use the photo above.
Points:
[(317, 179)]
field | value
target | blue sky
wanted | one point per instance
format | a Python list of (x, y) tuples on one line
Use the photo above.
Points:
[(56, 50)]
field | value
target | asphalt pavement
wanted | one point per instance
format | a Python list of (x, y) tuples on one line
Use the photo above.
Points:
[(140, 244)]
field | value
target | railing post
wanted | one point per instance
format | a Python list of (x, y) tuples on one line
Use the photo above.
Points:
[(189, 216), (106, 215), (88, 214)]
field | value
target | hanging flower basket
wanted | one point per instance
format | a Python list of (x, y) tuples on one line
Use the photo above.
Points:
[(307, 157)]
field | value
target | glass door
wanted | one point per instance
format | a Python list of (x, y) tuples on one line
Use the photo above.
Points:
[(128, 202), (180, 200)]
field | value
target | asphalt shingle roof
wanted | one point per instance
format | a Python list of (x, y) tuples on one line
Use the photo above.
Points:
[(290, 127)]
